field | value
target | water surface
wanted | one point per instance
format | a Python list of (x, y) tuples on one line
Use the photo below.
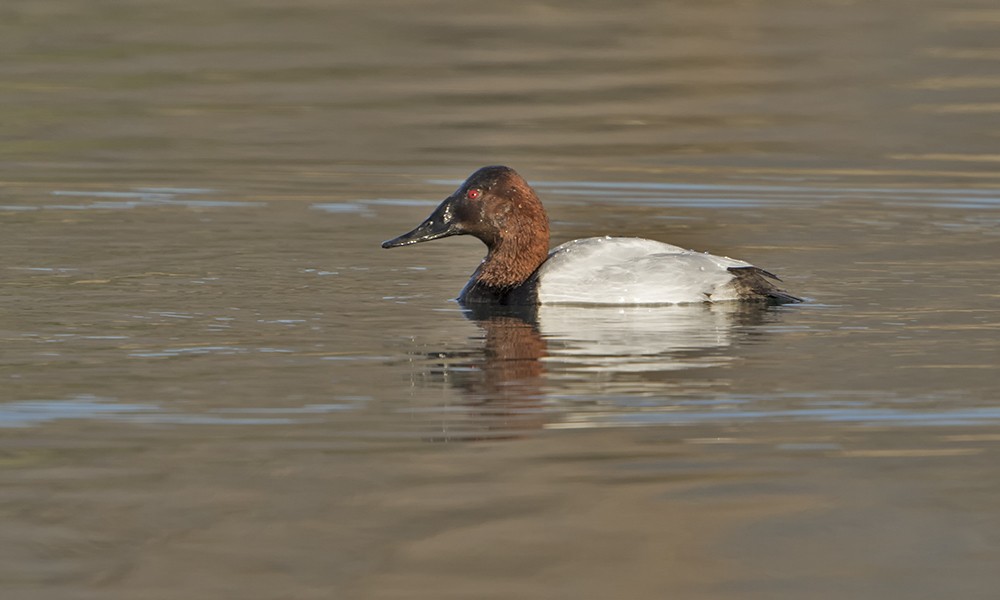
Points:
[(215, 383)]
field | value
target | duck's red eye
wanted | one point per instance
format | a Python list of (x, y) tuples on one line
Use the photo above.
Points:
[(473, 194)]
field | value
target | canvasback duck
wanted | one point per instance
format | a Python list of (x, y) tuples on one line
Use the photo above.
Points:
[(497, 205)]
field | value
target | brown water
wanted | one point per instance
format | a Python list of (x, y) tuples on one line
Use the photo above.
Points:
[(215, 384)]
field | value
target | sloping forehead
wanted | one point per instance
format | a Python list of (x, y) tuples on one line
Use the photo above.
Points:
[(489, 177)]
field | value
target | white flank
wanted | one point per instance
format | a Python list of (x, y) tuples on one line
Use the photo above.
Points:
[(615, 270)]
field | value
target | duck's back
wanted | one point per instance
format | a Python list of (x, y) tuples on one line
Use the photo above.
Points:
[(612, 270)]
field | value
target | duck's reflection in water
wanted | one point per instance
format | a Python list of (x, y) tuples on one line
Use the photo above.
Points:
[(537, 364)]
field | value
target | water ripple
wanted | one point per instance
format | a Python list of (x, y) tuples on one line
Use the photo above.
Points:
[(734, 196)]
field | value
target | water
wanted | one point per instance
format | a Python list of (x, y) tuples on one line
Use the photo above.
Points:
[(216, 384)]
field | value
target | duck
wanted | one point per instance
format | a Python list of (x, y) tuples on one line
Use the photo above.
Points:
[(497, 206)]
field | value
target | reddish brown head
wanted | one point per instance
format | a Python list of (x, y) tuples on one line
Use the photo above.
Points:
[(496, 205)]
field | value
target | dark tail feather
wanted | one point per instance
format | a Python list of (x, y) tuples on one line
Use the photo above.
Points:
[(752, 284)]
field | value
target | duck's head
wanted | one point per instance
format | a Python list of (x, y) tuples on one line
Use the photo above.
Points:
[(494, 204)]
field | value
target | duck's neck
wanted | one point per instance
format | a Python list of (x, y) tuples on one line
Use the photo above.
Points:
[(518, 244), (511, 262)]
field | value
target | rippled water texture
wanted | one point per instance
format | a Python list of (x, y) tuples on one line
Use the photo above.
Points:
[(215, 384)]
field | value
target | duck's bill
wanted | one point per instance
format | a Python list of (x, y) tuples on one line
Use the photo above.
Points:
[(424, 233), (440, 224)]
